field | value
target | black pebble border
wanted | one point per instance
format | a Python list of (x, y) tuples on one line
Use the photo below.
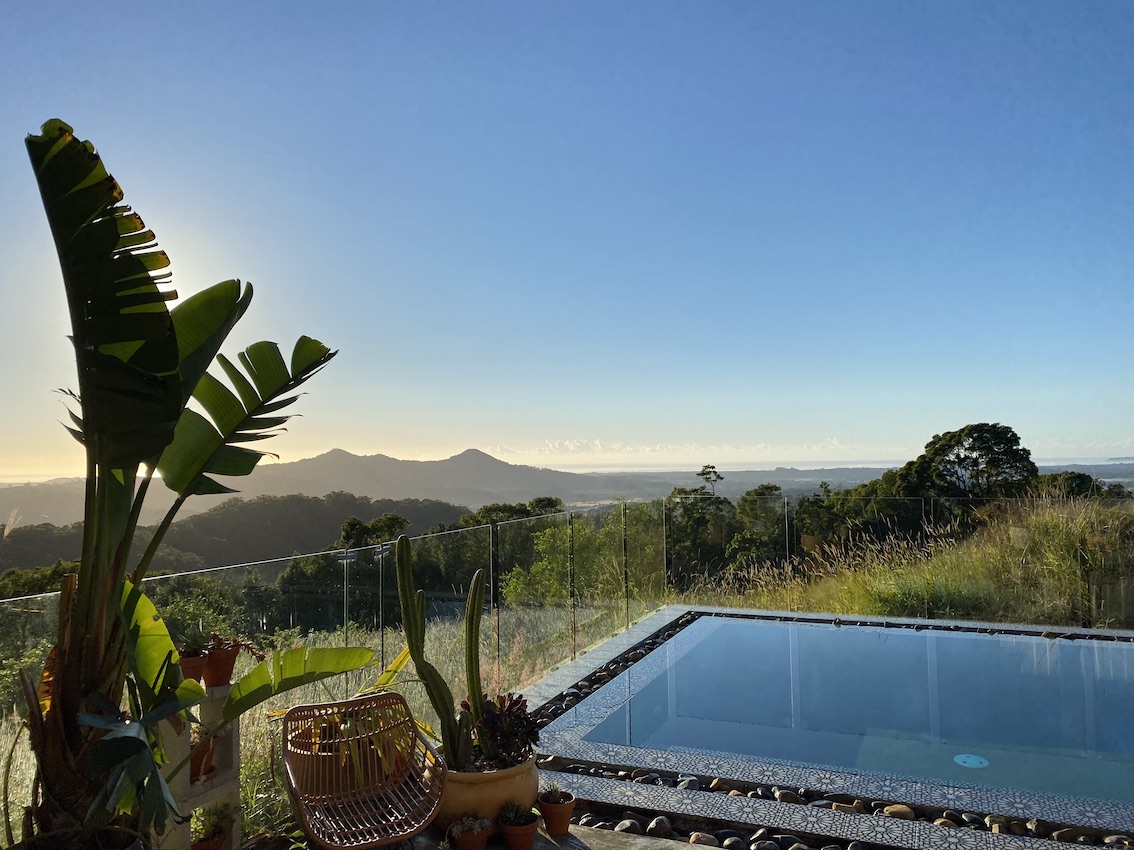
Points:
[(944, 818), (707, 832)]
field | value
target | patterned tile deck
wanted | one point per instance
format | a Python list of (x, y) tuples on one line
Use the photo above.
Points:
[(565, 737)]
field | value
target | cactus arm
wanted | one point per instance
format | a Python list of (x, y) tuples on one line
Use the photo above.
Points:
[(473, 612), (413, 623)]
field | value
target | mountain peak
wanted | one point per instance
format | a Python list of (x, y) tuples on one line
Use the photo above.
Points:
[(478, 457)]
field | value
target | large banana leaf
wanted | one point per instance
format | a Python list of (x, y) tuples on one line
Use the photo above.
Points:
[(125, 345), (153, 658), (202, 447), (202, 322), (127, 753), (282, 671)]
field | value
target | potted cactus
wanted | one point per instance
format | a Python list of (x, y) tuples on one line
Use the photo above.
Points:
[(192, 650), (488, 745)]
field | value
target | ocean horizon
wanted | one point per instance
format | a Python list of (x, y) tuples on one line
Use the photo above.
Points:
[(771, 465), (729, 466)]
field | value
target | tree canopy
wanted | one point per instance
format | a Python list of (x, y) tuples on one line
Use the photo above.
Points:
[(979, 461)]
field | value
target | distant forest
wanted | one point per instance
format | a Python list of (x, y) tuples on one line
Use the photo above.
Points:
[(237, 531)]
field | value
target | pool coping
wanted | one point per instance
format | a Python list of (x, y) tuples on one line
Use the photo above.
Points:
[(563, 738)]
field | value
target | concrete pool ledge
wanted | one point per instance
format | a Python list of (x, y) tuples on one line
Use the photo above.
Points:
[(564, 737)]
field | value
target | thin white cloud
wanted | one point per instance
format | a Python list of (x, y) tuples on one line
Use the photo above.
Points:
[(598, 449)]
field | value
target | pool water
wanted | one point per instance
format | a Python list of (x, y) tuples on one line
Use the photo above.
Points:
[(1026, 712)]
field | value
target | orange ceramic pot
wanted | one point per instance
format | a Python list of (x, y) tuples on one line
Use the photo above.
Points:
[(215, 842), (483, 793), (192, 666), (219, 664), (520, 837), (201, 762), (557, 816)]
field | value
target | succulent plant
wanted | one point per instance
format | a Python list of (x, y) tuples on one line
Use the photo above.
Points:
[(469, 823), (514, 814)]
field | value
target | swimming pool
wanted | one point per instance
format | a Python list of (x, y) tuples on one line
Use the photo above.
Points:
[(1028, 712), (943, 714)]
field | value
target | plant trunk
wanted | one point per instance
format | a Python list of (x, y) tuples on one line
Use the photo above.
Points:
[(64, 792)]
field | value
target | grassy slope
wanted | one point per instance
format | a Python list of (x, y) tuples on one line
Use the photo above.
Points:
[(1033, 562)]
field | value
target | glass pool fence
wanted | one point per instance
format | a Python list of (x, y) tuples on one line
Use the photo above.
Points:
[(558, 584)]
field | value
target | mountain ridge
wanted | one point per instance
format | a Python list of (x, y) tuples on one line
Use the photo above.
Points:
[(471, 478)]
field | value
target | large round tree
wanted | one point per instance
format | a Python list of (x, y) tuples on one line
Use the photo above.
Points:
[(979, 461)]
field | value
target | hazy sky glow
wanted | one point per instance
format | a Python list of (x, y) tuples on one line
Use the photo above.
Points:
[(611, 233)]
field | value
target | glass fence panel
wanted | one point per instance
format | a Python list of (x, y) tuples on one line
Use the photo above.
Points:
[(600, 575), (312, 592), (645, 547), (698, 529), (534, 614), (1107, 550), (759, 532), (373, 609), (1059, 560), (28, 628), (244, 600)]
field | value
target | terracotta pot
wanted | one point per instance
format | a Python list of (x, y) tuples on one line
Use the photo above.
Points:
[(557, 816), (483, 793), (214, 842), (520, 837), (218, 666), (470, 840), (192, 666), (201, 762)]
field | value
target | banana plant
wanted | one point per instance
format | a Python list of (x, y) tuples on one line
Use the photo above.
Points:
[(139, 364)]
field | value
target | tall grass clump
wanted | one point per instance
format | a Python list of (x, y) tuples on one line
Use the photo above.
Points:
[(1048, 561)]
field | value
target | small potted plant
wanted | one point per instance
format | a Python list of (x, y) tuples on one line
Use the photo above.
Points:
[(519, 824), (192, 648), (216, 820), (469, 832), (221, 658), (556, 806)]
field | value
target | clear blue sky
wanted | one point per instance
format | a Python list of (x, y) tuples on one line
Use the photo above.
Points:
[(615, 233)]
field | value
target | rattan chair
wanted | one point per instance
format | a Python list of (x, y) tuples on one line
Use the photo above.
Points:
[(359, 772)]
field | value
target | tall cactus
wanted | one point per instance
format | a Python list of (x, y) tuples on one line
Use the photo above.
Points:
[(456, 731)]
